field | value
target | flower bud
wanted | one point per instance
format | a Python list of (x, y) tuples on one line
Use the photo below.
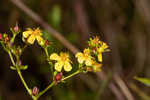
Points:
[(6, 39), (10, 44), (46, 43), (35, 90), (58, 77), (1, 36), (94, 49), (16, 28), (20, 63)]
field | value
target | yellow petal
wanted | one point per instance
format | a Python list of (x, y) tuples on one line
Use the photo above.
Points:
[(97, 67), (54, 56), (88, 62), (100, 57), (81, 60), (104, 46), (64, 55), (26, 33), (79, 54), (67, 67), (31, 39), (58, 66), (100, 50), (40, 40), (86, 51)]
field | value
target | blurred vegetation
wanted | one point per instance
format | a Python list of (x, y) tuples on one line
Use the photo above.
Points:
[(123, 24)]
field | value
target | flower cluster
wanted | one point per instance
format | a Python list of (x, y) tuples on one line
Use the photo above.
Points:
[(89, 60)]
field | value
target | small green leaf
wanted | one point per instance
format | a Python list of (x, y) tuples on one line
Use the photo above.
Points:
[(12, 67), (23, 67), (145, 81)]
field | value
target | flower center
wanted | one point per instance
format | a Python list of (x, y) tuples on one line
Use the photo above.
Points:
[(36, 32)]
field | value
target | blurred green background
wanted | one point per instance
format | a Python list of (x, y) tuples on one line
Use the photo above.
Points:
[(123, 24)]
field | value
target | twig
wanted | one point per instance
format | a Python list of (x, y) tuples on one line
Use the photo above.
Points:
[(123, 87), (82, 21)]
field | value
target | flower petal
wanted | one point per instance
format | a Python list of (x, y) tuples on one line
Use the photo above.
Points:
[(88, 62), (31, 39), (79, 54), (58, 66), (81, 60), (100, 57), (54, 56), (67, 67), (40, 40), (86, 51), (26, 33)]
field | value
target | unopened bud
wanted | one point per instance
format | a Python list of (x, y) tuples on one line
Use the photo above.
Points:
[(94, 49), (16, 28), (46, 43), (35, 91), (18, 51), (10, 44), (6, 39), (20, 63), (1, 36), (58, 77)]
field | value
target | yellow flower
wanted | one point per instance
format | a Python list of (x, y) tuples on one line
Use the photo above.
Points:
[(33, 35), (102, 49), (95, 67), (62, 61), (84, 57), (95, 42)]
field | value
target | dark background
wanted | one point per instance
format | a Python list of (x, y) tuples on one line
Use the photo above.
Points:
[(122, 24)]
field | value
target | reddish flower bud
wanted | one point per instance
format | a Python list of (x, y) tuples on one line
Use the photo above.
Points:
[(16, 28), (35, 91), (20, 63), (46, 42), (10, 44), (94, 49), (58, 77), (6, 39), (1, 36)]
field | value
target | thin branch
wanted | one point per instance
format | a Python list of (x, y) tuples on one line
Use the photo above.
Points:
[(123, 87)]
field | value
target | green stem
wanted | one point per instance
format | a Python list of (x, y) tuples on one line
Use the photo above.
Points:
[(46, 89), (11, 58), (20, 75), (73, 74), (50, 63), (23, 81), (45, 49)]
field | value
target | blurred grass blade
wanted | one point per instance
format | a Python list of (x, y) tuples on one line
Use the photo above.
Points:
[(145, 81), (54, 16), (142, 94)]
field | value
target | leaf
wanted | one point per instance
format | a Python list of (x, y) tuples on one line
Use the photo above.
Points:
[(145, 81), (23, 67), (12, 67)]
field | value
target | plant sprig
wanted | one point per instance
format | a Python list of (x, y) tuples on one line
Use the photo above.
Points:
[(89, 60)]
